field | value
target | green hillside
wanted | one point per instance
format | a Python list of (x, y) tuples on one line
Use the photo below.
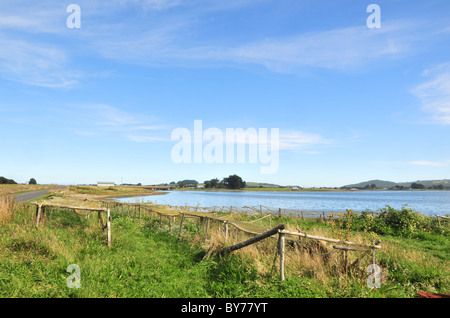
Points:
[(381, 184)]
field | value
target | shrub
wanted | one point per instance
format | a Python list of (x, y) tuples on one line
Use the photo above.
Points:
[(404, 222)]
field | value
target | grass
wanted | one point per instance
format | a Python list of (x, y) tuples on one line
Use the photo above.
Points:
[(151, 262), (109, 192), (6, 207), (20, 188)]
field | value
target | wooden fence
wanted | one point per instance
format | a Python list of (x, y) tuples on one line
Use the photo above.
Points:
[(261, 209), (439, 217), (41, 210), (207, 215)]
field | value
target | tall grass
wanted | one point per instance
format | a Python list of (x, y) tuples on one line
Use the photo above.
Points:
[(7, 204), (149, 260)]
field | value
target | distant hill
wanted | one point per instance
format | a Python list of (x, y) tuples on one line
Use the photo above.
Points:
[(188, 182), (428, 183), (380, 184)]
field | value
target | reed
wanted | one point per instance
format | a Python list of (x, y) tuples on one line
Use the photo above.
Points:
[(7, 204)]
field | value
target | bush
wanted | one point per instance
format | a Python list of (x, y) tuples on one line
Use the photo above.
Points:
[(404, 222)]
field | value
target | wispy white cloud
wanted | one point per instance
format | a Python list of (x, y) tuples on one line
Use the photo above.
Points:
[(159, 36), (428, 163), (298, 140), (35, 64), (100, 120), (153, 4), (434, 94), (332, 49), (425, 163)]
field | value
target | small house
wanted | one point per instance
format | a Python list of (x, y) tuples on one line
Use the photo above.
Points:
[(105, 184)]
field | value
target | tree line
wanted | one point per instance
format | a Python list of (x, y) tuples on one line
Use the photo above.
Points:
[(231, 182), (4, 180)]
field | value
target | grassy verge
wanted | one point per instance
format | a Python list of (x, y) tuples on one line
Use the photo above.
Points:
[(21, 188), (147, 260), (110, 192)]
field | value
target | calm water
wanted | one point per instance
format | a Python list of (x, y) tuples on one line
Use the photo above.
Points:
[(426, 202)]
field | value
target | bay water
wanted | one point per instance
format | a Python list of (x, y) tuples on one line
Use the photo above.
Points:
[(425, 202)]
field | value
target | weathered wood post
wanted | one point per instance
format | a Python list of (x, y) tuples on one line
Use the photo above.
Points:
[(207, 228), (170, 223), (181, 225), (38, 213), (281, 240), (375, 243), (226, 229), (108, 227)]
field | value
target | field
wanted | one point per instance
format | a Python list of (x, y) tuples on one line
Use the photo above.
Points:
[(19, 188), (148, 260), (108, 192)]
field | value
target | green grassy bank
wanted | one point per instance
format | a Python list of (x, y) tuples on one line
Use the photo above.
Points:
[(147, 260)]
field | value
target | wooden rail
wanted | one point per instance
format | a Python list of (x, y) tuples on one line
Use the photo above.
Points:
[(283, 235), (253, 240), (40, 212), (443, 217)]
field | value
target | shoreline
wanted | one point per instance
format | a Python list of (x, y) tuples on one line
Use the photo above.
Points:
[(299, 190)]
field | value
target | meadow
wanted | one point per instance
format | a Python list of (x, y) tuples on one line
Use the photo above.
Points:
[(148, 260)]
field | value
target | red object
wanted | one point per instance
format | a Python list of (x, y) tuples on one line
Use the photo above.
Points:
[(422, 294)]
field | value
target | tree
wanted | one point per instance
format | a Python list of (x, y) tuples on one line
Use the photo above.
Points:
[(4, 180), (417, 186), (233, 182), (32, 181), (213, 183)]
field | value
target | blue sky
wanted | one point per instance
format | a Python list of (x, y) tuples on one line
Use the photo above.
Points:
[(99, 102)]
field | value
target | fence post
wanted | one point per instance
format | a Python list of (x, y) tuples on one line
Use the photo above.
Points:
[(38, 213), (373, 252), (281, 240), (181, 225), (108, 226), (207, 228), (226, 229)]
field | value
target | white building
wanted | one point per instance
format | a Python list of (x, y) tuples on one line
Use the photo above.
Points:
[(105, 184)]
